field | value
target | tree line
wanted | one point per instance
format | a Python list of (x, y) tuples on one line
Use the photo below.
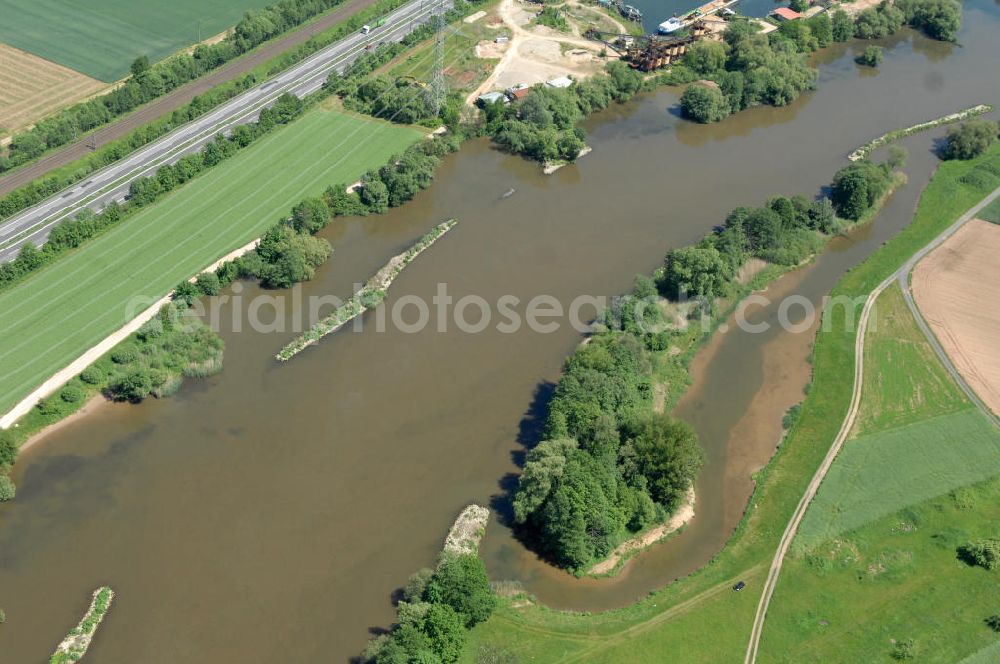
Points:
[(87, 224), (750, 69), (38, 190)]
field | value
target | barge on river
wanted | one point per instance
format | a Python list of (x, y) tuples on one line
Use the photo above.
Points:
[(676, 23)]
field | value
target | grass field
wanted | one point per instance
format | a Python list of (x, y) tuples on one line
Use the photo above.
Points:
[(991, 212), (988, 655), (33, 87), (697, 618), (68, 307), (897, 578), (903, 380), (101, 38)]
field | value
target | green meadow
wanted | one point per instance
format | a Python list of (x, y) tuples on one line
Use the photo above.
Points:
[(101, 38), (68, 307)]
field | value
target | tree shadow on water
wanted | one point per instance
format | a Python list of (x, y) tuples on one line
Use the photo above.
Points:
[(529, 434)]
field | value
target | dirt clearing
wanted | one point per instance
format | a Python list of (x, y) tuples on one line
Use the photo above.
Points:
[(32, 88), (957, 288)]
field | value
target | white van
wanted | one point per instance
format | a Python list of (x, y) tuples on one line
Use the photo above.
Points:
[(365, 29)]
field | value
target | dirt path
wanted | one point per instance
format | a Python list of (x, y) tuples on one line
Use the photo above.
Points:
[(531, 55), (179, 97), (902, 277)]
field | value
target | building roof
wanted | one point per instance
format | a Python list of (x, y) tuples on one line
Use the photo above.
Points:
[(561, 82), (491, 97), (520, 93), (786, 13)]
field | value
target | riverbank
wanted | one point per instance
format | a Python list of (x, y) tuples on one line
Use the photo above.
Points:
[(668, 619)]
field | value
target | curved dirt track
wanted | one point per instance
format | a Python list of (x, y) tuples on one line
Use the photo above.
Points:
[(902, 277), (177, 98)]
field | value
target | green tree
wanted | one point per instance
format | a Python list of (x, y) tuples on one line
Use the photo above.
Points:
[(668, 455), (208, 283), (460, 581), (696, 271), (374, 194), (984, 552), (704, 104), (706, 57), (871, 57), (140, 66), (8, 448), (7, 489), (134, 386), (416, 584), (857, 187), (542, 470), (993, 622), (446, 630), (969, 139)]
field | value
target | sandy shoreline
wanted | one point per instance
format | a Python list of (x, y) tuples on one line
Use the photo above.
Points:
[(94, 404), (677, 520)]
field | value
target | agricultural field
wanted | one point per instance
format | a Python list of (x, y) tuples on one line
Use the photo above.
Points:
[(955, 287), (68, 307), (895, 581), (698, 618), (101, 38), (32, 87), (892, 397), (991, 212)]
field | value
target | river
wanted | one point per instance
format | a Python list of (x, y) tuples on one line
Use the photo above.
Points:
[(267, 513)]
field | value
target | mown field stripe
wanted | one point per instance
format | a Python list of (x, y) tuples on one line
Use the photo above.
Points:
[(255, 194)]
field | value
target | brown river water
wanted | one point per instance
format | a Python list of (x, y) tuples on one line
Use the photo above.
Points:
[(266, 514)]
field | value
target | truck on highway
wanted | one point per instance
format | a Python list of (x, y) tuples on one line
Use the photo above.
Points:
[(365, 29)]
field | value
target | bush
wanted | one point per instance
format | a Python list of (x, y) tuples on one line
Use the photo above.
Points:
[(904, 649), (985, 553), (8, 448), (856, 188), (993, 622), (7, 489), (92, 375), (125, 354), (207, 283), (704, 104), (871, 57), (969, 139), (71, 394), (133, 386)]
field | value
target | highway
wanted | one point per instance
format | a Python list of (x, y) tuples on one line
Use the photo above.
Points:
[(112, 183)]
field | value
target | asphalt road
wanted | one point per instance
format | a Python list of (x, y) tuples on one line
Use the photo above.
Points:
[(112, 183), (902, 277), (177, 98)]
